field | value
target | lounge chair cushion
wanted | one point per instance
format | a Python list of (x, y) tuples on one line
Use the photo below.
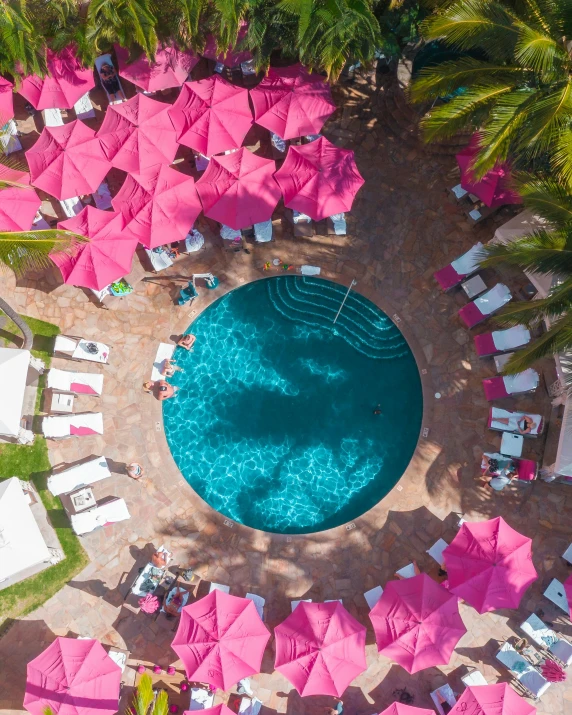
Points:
[(447, 277), (87, 473), (485, 344), (471, 315)]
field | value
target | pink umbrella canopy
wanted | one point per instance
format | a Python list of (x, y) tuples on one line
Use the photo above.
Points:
[(18, 207), (232, 57), (170, 69), (6, 101), (498, 699), (238, 189), (211, 115), (417, 623), (494, 189), (291, 102), (320, 648), (220, 639), (159, 205), (9, 174), (318, 179), (105, 258), (138, 134), (489, 565), (568, 592), (67, 161), (401, 709), (64, 84), (73, 677), (217, 710)]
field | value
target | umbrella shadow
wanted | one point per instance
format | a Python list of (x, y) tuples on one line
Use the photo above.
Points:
[(410, 689)]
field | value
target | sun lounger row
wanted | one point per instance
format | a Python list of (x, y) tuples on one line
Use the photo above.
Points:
[(485, 305), (501, 341), (523, 671), (84, 383), (497, 388), (547, 639), (459, 269), (106, 512)]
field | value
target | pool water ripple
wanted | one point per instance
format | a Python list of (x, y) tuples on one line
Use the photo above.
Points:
[(273, 423)]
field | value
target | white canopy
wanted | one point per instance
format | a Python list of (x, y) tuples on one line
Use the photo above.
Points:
[(21, 542), (13, 373)]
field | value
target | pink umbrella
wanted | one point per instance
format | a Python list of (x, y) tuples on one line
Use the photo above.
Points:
[(494, 189), (417, 623), (401, 709), (318, 179), (498, 699), (489, 565), (73, 677), (6, 101), (211, 115), (159, 205), (67, 161), (238, 190), (220, 639), (138, 134), (65, 83), (320, 648), (8, 174), (18, 207), (568, 592), (232, 57), (105, 258), (291, 102), (170, 69)]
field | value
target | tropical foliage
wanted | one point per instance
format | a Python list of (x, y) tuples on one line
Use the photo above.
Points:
[(144, 701), (514, 84), (547, 252)]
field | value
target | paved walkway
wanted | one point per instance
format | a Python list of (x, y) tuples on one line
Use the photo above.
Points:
[(402, 228)]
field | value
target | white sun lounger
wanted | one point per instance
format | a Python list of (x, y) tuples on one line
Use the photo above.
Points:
[(546, 638), (84, 383), (557, 594), (473, 677), (523, 671), (258, 602), (9, 138), (102, 197), (373, 595), (76, 349), (294, 604), (408, 571), (71, 207), (159, 259), (84, 108), (229, 234), (52, 117), (250, 706), (106, 59), (263, 231), (201, 699), (567, 555), (459, 192), (79, 476), (79, 425), (436, 551), (339, 224), (219, 587), (164, 352), (497, 413), (106, 513)]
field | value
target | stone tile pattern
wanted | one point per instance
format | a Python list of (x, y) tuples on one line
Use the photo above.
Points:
[(403, 227)]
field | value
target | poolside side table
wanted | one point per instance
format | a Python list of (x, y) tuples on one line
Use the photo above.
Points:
[(511, 444), (474, 287), (61, 403), (78, 500)]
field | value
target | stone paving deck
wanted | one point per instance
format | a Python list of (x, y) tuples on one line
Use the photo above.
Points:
[(402, 228)]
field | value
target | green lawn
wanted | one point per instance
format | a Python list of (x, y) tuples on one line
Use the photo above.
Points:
[(31, 462)]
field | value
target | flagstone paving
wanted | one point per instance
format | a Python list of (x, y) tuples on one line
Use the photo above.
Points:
[(402, 228)]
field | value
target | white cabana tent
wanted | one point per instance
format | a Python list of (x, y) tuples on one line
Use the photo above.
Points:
[(13, 373), (21, 542)]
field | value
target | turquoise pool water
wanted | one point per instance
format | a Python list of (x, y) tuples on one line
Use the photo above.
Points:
[(273, 423)]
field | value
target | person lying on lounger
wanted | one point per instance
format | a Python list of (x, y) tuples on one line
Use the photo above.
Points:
[(187, 341), (110, 82), (524, 424)]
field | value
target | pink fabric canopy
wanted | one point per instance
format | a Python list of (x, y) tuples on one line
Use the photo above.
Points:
[(417, 623), (18, 208), (232, 57), (160, 205), (6, 101), (494, 189), (401, 709), (238, 189), (318, 179), (291, 102), (67, 161), (105, 258), (489, 565), (138, 134), (8, 174), (170, 69), (568, 592), (220, 639), (73, 677), (211, 115), (320, 648), (65, 83), (498, 699)]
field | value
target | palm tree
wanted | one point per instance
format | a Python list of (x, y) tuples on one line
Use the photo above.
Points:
[(547, 252), (519, 94), (21, 47), (145, 702), (130, 23)]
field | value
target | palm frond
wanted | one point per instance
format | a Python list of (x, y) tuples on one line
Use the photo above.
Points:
[(29, 250), (547, 197), (143, 696), (558, 339), (544, 252)]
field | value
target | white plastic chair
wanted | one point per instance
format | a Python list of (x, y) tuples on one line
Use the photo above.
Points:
[(436, 551), (546, 638), (373, 595), (294, 604), (556, 593), (219, 587), (258, 602)]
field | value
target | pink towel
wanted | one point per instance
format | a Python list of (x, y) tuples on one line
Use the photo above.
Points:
[(448, 277), (471, 315), (527, 469), (485, 345), (81, 431), (79, 387), (494, 388)]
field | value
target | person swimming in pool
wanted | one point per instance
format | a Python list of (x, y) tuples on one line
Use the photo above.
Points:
[(377, 410)]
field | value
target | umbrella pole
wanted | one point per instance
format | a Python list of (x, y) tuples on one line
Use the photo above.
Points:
[(354, 282)]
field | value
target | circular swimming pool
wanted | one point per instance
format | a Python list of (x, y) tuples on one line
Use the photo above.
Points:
[(274, 423)]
